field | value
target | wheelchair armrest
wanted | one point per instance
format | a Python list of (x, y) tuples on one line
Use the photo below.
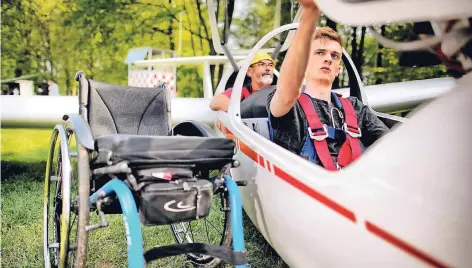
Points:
[(192, 128), (81, 129)]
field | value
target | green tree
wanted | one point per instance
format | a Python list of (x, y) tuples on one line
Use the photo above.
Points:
[(58, 38)]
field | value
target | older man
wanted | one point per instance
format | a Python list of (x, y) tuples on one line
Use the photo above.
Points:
[(260, 75)]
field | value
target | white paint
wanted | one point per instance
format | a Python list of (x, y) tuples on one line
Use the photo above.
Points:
[(414, 183), (393, 11)]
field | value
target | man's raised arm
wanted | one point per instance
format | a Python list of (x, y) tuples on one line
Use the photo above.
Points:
[(294, 65)]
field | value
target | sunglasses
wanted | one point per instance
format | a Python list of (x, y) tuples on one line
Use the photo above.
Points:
[(264, 64)]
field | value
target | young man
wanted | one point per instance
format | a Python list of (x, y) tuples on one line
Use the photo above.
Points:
[(316, 55), (260, 75)]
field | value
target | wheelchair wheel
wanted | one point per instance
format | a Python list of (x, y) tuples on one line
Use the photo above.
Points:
[(214, 229), (61, 218)]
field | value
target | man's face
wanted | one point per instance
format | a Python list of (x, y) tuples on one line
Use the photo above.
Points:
[(262, 72), (325, 60)]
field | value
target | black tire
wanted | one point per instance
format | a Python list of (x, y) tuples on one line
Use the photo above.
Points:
[(83, 170), (60, 204), (218, 221)]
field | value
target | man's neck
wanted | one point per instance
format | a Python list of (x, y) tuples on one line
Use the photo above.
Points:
[(319, 90), (256, 86)]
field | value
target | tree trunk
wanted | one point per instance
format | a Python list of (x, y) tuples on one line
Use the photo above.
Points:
[(208, 37), (217, 9), (333, 25), (192, 40), (170, 33), (91, 63), (228, 19), (379, 55), (47, 45), (360, 53), (199, 30), (205, 28), (68, 80), (354, 44)]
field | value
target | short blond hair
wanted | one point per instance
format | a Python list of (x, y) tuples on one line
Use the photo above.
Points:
[(327, 33)]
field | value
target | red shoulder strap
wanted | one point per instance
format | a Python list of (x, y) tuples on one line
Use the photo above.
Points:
[(351, 149), (245, 93), (317, 132)]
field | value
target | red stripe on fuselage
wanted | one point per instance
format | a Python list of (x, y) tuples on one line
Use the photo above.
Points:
[(249, 152), (387, 237), (261, 161), (402, 245), (291, 180), (315, 194), (268, 166)]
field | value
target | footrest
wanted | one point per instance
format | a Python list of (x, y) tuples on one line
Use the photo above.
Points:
[(224, 253)]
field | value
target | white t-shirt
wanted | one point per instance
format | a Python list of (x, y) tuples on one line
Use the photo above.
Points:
[(54, 90)]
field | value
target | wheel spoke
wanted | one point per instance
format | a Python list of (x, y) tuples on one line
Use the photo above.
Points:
[(206, 228), (214, 227), (208, 231), (191, 232)]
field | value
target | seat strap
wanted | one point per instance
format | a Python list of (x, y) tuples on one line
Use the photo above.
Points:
[(351, 149), (317, 132)]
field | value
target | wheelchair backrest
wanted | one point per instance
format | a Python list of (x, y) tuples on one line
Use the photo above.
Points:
[(115, 109)]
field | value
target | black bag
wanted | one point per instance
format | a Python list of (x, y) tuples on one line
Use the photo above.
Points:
[(163, 203)]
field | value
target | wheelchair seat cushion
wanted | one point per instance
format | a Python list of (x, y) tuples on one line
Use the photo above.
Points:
[(164, 150)]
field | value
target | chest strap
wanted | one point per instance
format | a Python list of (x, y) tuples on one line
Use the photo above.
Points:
[(318, 133), (351, 149)]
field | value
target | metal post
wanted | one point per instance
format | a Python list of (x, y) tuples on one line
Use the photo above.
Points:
[(207, 85)]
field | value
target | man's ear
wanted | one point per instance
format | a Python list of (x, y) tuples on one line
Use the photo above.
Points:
[(339, 71), (250, 72)]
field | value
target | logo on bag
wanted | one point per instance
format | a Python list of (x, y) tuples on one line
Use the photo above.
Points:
[(180, 207)]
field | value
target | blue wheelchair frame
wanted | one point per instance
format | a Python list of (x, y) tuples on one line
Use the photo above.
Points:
[(133, 227)]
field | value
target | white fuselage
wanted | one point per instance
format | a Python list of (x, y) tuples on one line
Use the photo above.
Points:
[(404, 203)]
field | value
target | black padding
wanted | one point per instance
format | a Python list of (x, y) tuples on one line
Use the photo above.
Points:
[(115, 109), (137, 150), (193, 128), (255, 106), (221, 252)]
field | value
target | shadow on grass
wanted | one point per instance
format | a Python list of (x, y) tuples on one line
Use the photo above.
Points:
[(15, 170), (22, 219)]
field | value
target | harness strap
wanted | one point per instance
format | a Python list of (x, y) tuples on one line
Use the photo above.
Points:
[(351, 149), (317, 132)]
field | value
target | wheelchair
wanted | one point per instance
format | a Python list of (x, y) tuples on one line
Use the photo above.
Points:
[(120, 155)]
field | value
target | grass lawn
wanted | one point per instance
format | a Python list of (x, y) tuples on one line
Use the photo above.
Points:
[(23, 154)]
